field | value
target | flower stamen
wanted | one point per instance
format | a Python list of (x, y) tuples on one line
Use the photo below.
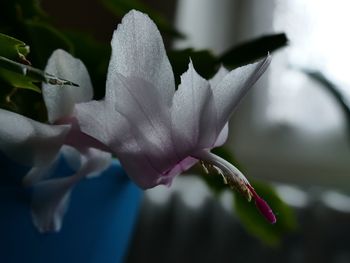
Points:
[(236, 180)]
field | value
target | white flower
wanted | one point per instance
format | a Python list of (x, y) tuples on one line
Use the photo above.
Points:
[(40, 145), (158, 132)]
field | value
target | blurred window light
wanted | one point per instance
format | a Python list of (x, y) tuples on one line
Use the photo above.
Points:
[(192, 191), (319, 41), (337, 201), (292, 195), (303, 129), (319, 34)]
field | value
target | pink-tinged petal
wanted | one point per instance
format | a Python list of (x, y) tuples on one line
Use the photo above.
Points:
[(138, 51), (142, 170), (229, 92), (146, 168), (138, 167), (30, 142), (193, 113), (218, 77), (179, 168), (60, 100), (221, 139), (50, 198)]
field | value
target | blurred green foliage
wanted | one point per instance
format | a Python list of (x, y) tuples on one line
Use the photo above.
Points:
[(271, 234), (12, 48), (44, 39), (207, 64), (11, 72), (25, 20), (253, 49)]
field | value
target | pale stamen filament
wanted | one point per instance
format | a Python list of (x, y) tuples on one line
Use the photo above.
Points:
[(231, 175)]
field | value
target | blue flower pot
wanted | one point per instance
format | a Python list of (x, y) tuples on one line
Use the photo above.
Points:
[(96, 229)]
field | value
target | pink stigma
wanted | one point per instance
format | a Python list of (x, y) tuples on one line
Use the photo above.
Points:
[(263, 207)]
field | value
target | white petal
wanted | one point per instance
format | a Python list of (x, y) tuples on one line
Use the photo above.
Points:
[(39, 173), (49, 203), (60, 100), (30, 142), (218, 77), (138, 51), (97, 161), (101, 122), (139, 153), (193, 113), (221, 139), (50, 198), (139, 103), (229, 92), (72, 156), (148, 118)]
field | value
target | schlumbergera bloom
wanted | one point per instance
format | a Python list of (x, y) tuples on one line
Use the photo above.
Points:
[(158, 132), (41, 146)]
